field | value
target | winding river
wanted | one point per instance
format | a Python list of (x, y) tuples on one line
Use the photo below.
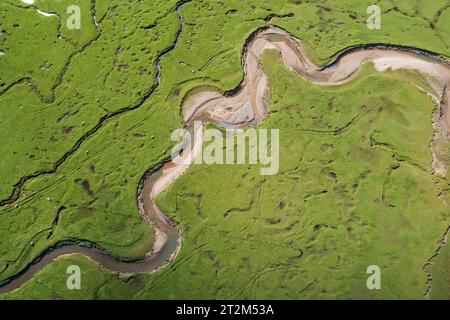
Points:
[(247, 105)]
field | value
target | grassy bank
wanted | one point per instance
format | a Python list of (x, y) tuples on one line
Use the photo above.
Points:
[(354, 187)]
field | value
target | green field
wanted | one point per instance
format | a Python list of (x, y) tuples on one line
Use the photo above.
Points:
[(83, 119)]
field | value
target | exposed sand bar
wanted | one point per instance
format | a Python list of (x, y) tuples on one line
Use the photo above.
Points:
[(249, 104)]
